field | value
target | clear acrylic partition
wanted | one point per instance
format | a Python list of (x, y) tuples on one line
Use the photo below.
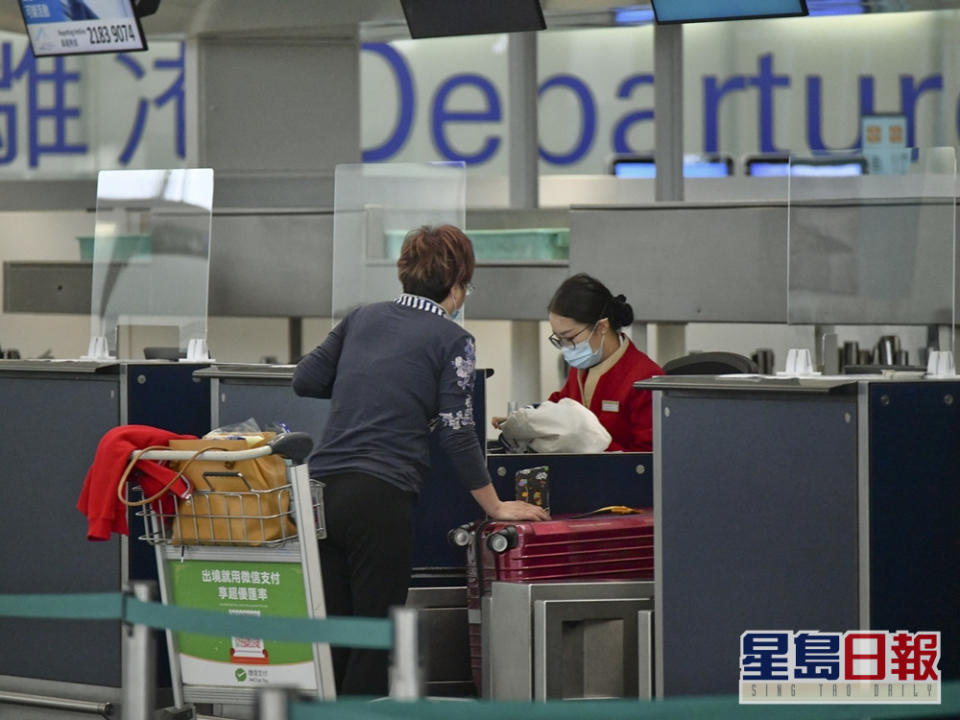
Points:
[(375, 205), (151, 256), (873, 243)]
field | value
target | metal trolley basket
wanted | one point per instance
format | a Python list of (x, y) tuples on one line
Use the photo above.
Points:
[(237, 549)]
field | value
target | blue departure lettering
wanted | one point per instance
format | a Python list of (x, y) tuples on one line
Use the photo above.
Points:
[(8, 138), (715, 89), (815, 113), (441, 116), (910, 93), (712, 94), (765, 81), (174, 93), (620, 130), (401, 131), (47, 105), (588, 112)]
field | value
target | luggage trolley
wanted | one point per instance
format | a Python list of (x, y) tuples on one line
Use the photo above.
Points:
[(236, 570)]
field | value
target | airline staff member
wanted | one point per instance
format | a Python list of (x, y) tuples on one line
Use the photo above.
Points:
[(395, 372), (586, 319)]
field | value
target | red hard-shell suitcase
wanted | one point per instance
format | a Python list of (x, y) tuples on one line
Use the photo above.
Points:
[(572, 548)]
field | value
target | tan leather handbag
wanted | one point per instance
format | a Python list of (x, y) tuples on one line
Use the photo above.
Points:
[(233, 503)]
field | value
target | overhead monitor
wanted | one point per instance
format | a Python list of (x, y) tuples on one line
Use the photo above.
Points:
[(644, 166), (781, 165), (440, 18), (81, 27), (682, 11)]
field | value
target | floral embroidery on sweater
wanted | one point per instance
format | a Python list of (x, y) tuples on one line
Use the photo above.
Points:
[(464, 365)]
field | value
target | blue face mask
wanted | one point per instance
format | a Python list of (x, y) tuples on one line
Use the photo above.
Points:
[(581, 355), (457, 316)]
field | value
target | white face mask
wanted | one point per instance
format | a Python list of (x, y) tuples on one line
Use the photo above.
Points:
[(581, 355)]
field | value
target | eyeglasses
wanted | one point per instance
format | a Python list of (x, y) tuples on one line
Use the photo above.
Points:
[(562, 342), (469, 288)]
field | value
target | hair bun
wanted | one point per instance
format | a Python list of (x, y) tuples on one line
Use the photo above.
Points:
[(621, 311)]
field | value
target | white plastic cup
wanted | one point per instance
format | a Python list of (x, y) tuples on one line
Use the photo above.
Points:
[(941, 364)]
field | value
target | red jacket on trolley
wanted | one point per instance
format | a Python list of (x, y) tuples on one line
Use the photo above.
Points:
[(106, 514), (627, 414)]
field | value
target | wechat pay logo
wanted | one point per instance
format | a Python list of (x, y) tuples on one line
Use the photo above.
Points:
[(240, 674)]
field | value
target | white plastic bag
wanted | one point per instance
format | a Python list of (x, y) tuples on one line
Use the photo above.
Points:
[(565, 426)]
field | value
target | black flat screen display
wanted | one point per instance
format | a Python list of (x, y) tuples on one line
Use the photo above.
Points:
[(440, 18)]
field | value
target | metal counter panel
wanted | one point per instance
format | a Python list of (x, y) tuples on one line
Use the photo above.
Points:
[(268, 403), (51, 426), (915, 504), (581, 483), (758, 526), (55, 414), (167, 395)]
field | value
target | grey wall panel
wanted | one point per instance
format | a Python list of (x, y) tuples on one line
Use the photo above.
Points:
[(687, 263), (48, 194), (873, 262), (514, 292), (247, 121), (265, 264), (270, 264), (47, 287), (269, 190)]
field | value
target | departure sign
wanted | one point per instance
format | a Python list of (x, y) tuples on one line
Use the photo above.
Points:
[(77, 27)]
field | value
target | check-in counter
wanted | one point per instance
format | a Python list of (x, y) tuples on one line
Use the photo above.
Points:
[(55, 413), (801, 504), (579, 483), (264, 392)]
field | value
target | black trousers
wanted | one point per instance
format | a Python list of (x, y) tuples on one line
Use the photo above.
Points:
[(365, 561)]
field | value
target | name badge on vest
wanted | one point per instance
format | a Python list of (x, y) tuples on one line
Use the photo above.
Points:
[(610, 406)]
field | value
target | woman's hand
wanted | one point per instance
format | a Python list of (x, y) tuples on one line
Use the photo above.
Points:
[(496, 422), (497, 509), (517, 510)]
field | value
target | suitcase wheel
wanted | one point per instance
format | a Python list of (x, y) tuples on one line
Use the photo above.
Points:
[(459, 536), (502, 540)]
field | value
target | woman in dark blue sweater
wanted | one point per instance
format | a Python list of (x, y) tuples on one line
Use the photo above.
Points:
[(394, 372)]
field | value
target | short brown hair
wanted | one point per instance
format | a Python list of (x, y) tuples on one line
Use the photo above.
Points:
[(434, 259)]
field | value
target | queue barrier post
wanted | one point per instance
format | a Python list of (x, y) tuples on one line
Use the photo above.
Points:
[(139, 672), (273, 703), (406, 670)]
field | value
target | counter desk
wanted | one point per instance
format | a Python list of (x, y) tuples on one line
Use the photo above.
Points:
[(56, 412), (264, 392), (579, 483), (801, 504)]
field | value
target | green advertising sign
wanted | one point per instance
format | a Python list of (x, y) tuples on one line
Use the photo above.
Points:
[(241, 588)]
